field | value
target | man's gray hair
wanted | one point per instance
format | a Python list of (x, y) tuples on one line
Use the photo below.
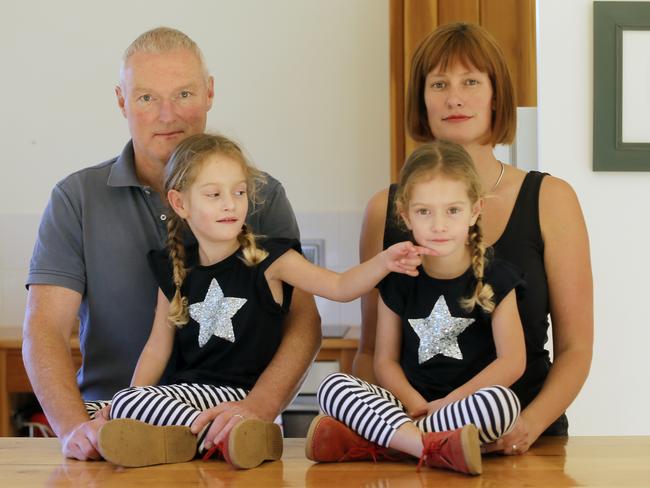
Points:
[(160, 40)]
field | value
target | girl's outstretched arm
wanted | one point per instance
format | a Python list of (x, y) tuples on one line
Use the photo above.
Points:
[(294, 269), (156, 352), (510, 362), (387, 367)]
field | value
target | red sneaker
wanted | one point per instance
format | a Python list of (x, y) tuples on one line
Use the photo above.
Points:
[(249, 444), (458, 450), (329, 440)]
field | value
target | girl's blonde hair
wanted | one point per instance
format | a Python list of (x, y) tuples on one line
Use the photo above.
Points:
[(181, 171), (452, 161)]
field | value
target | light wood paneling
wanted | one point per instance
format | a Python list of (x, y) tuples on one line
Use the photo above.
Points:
[(418, 17), (512, 23), (397, 83), (458, 11)]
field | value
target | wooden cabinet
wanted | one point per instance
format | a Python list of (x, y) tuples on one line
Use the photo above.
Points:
[(511, 22)]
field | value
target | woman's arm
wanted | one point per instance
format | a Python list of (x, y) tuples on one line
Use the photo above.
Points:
[(294, 269), (155, 355), (510, 362), (371, 242), (568, 271), (387, 355)]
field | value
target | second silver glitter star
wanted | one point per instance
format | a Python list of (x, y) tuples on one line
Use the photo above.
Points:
[(439, 332), (214, 314)]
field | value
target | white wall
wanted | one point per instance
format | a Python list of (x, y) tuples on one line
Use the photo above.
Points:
[(615, 398), (303, 84)]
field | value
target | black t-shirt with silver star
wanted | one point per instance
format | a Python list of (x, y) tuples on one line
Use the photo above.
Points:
[(444, 346), (235, 325)]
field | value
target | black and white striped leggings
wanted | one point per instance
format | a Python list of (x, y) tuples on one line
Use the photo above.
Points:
[(177, 404), (376, 414)]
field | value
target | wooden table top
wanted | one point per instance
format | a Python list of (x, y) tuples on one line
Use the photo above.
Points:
[(553, 462)]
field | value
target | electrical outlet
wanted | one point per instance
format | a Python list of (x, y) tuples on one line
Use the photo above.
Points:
[(314, 251)]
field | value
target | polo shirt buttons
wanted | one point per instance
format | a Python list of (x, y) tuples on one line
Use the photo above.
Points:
[(163, 217)]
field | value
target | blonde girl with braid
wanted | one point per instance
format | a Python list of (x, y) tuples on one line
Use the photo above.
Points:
[(223, 295), (449, 341)]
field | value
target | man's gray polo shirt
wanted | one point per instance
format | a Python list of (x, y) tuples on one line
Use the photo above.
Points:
[(93, 238)]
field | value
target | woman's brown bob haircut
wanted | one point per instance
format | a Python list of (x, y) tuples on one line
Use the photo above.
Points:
[(472, 46)]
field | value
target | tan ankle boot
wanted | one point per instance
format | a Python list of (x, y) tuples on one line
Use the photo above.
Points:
[(133, 444)]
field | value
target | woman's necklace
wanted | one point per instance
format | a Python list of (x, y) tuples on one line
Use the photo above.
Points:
[(503, 170)]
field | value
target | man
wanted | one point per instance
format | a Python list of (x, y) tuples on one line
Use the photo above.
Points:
[(90, 262)]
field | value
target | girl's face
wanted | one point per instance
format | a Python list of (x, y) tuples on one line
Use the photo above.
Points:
[(440, 214), (459, 104), (215, 204)]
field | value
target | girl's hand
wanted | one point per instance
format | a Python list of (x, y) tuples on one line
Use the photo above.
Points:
[(419, 412), (435, 405), (427, 409), (405, 257)]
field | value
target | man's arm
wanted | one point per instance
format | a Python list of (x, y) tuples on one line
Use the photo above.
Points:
[(282, 378), (50, 317)]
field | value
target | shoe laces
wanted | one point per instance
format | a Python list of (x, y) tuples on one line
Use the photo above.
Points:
[(216, 451), (362, 452), (433, 448)]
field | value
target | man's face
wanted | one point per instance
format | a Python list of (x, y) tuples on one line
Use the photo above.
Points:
[(165, 98)]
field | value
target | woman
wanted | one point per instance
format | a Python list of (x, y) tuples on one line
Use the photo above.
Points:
[(460, 90)]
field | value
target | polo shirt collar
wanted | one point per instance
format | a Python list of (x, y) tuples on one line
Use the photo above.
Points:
[(123, 170)]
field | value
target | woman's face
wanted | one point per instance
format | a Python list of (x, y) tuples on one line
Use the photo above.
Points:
[(459, 104)]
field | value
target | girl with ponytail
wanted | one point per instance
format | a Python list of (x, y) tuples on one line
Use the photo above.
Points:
[(449, 341), (223, 295)]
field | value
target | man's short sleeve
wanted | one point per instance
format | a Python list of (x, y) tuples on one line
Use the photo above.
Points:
[(273, 216), (58, 257)]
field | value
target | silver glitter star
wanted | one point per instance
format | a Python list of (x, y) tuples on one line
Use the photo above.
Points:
[(214, 314), (439, 332)]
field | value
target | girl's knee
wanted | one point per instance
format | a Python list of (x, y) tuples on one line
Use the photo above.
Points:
[(124, 395), (334, 380), (510, 398), (333, 385), (502, 394)]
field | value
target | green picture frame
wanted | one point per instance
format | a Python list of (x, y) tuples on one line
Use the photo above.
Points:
[(611, 19)]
